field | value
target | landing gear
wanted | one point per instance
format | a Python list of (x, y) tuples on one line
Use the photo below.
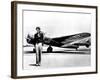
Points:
[(34, 50), (49, 49), (77, 48), (87, 46)]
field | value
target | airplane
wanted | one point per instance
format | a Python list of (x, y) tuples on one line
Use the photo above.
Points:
[(71, 41)]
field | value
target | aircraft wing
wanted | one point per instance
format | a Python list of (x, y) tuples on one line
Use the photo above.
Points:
[(50, 41)]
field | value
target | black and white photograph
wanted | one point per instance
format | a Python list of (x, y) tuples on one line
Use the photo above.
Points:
[(55, 39)]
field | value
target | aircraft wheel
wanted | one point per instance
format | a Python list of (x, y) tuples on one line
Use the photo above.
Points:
[(77, 48), (49, 49), (34, 50), (87, 46)]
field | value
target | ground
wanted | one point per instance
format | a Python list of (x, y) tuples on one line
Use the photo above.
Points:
[(58, 58)]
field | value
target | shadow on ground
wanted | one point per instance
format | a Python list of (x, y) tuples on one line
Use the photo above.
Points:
[(83, 51)]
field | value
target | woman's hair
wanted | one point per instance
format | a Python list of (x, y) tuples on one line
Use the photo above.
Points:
[(37, 28)]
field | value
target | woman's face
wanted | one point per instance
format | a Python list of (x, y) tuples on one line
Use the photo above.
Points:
[(38, 30)]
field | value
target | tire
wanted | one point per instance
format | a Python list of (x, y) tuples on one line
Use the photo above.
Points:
[(49, 50), (87, 46), (34, 50), (77, 48)]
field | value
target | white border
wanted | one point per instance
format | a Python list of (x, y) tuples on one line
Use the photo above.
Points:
[(21, 72)]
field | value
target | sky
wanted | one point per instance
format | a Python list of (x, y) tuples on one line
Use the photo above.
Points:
[(55, 24)]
